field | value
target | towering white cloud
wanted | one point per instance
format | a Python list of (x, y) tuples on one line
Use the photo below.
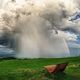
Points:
[(29, 24)]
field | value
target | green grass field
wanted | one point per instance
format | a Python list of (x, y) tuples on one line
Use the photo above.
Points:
[(33, 69)]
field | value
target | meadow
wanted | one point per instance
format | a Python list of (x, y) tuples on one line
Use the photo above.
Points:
[(33, 69)]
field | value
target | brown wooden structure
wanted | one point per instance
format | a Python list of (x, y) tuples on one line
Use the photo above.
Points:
[(56, 68)]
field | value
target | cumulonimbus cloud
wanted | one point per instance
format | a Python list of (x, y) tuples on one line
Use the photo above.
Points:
[(48, 15)]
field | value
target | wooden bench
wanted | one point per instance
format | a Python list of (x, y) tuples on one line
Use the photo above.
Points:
[(56, 68)]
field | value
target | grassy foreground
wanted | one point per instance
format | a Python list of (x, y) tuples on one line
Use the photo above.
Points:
[(33, 69)]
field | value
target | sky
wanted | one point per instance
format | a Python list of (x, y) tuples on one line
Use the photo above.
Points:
[(62, 11), (59, 17)]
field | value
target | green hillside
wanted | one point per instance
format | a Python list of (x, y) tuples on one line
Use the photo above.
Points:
[(33, 69)]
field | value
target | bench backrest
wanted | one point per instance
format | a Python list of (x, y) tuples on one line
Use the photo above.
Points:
[(56, 68)]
